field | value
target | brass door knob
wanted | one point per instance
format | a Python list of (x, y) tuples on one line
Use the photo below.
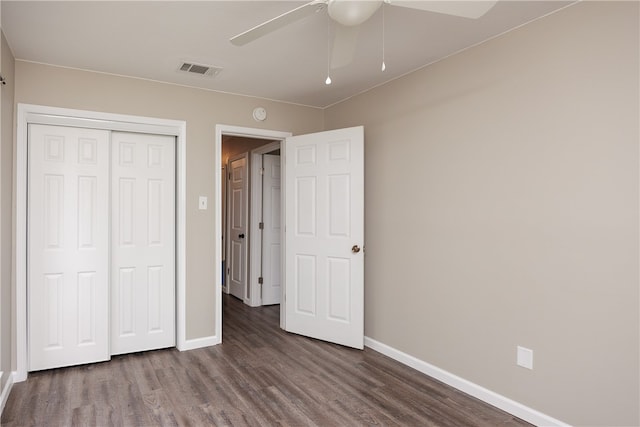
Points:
[(355, 249)]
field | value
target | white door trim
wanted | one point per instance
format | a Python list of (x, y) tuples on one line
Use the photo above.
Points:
[(217, 159), (223, 207), (255, 243), (28, 113)]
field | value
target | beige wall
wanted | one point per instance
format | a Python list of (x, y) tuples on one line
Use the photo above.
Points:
[(502, 210), (202, 110), (6, 178)]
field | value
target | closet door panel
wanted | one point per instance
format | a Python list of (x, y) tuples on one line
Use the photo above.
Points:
[(68, 246), (143, 242)]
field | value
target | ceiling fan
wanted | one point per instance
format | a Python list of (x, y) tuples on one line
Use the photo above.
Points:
[(349, 14)]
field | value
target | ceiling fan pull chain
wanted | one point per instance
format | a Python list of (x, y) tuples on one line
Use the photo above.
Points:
[(328, 81), (384, 67)]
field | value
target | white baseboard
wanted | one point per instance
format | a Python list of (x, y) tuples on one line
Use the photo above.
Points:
[(5, 391), (199, 343), (514, 408)]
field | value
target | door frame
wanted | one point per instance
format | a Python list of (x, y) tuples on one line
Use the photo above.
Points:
[(255, 207), (39, 114), (217, 161), (223, 236)]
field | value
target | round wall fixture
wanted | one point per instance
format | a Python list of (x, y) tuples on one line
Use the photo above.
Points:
[(259, 114)]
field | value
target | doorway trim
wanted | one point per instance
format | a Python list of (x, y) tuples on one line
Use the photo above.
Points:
[(28, 113), (217, 161)]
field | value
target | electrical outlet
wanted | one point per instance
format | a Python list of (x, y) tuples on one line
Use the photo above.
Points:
[(524, 357), (202, 203)]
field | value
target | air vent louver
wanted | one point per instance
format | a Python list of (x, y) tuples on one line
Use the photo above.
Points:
[(203, 70)]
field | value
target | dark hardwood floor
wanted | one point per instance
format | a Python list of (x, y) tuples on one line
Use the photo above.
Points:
[(259, 376)]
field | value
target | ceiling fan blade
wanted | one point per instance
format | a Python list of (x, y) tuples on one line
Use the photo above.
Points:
[(278, 22), (344, 45), (467, 9)]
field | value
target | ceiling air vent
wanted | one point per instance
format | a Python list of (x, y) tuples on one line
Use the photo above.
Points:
[(203, 70)]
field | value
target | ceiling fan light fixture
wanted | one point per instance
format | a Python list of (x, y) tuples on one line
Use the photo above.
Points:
[(352, 12)]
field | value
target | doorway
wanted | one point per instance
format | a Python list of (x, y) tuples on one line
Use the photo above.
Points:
[(248, 271), (323, 177), (228, 132)]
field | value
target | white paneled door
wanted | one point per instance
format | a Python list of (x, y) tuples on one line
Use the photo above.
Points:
[(324, 273), (101, 244), (143, 242), (237, 217), (68, 246), (271, 232)]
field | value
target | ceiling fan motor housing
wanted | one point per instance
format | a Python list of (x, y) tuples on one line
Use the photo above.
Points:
[(352, 12)]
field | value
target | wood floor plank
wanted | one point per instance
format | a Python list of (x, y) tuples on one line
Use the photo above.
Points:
[(259, 376)]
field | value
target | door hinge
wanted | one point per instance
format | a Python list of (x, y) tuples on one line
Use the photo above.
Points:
[(260, 280), (261, 226)]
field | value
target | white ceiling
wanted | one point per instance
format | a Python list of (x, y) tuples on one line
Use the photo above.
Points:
[(148, 39)]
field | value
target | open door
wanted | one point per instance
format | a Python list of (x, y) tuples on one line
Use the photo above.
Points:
[(237, 217), (324, 237), (271, 230)]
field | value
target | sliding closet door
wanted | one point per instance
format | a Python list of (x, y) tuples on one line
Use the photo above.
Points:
[(143, 242), (68, 246)]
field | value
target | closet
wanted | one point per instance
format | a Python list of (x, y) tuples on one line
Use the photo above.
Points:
[(100, 244)]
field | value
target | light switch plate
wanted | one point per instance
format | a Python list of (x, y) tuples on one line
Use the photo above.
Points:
[(202, 203), (524, 357)]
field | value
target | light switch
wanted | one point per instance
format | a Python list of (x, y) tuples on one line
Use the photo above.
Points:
[(202, 203), (524, 357)]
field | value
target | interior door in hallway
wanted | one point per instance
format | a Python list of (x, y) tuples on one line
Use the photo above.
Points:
[(271, 232), (68, 246), (143, 242), (237, 218)]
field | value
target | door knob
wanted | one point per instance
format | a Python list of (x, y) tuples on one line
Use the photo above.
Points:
[(240, 236), (355, 249)]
